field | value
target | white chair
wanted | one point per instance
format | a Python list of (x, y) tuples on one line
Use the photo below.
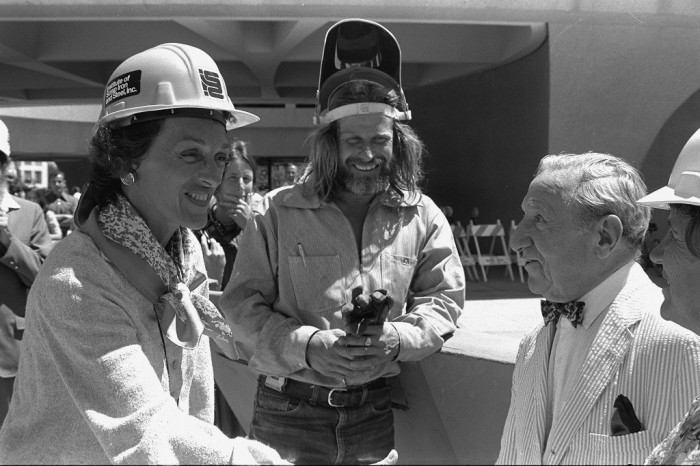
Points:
[(496, 232), (518, 256), (465, 255)]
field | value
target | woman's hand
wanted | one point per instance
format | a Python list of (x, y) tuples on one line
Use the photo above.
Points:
[(214, 258), (236, 210)]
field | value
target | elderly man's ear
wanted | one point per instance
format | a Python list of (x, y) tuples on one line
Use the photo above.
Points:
[(609, 235)]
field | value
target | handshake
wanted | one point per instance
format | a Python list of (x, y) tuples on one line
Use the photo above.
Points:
[(365, 310)]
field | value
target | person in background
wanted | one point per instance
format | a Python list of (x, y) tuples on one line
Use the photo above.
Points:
[(290, 174), (603, 378), (234, 200), (60, 202), (51, 220), (355, 230), (233, 204), (116, 364), (679, 253), (24, 244)]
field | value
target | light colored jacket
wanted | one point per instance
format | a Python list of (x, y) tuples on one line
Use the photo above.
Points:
[(97, 382), (298, 263), (653, 362)]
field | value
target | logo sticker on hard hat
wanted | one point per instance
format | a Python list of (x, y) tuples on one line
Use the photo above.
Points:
[(211, 84), (123, 86)]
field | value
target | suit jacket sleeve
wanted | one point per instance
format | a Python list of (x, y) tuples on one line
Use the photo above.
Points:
[(508, 453), (26, 259)]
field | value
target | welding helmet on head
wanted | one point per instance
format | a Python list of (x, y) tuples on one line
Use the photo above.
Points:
[(169, 80), (358, 49), (4, 139)]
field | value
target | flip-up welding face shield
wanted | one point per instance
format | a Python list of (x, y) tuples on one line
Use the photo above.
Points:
[(358, 49)]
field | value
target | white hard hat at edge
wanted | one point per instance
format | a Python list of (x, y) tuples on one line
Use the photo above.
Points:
[(684, 183), (4, 139), (169, 80)]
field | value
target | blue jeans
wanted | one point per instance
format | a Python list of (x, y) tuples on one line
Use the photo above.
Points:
[(305, 433)]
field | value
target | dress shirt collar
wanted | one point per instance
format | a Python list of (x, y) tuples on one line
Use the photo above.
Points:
[(8, 203), (302, 196), (600, 297)]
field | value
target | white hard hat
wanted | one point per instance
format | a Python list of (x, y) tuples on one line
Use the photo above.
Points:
[(4, 139), (169, 80), (358, 49), (684, 184)]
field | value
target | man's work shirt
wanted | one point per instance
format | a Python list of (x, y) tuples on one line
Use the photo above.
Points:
[(298, 264)]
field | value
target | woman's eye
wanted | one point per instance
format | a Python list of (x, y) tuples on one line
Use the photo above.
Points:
[(191, 157), (223, 158)]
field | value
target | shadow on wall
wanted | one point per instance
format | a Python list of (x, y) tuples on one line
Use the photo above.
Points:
[(663, 152), (485, 134)]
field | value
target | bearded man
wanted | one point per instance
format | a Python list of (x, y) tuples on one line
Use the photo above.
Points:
[(355, 229)]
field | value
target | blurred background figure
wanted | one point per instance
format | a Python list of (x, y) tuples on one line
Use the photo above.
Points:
[(290, 172), (234, 201), (24, 244), (61, 202), (49, 215)]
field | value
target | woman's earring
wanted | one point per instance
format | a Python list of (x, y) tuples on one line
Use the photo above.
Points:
[(128, 179)]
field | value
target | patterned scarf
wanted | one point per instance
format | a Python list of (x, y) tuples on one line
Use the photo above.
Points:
[(119, 222)]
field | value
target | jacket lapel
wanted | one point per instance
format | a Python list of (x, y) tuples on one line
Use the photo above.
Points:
[(602, 363)]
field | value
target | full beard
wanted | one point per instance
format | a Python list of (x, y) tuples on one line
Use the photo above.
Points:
[(363, 184)]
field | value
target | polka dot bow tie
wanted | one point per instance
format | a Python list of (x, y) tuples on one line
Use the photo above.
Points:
[(573, 310)]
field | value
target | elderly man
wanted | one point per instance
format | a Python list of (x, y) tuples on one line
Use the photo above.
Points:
[(604, 377), (355, 237), (24, 244)]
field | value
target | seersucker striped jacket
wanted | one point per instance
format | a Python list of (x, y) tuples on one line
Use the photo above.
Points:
[(654, 362)]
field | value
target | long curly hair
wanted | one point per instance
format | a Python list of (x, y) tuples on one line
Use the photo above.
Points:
[(322, 168)]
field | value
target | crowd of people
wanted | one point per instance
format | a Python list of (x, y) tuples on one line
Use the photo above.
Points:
[(327, 284)]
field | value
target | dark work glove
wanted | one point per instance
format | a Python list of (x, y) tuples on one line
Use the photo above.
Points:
[(624, 421), (365, 310)]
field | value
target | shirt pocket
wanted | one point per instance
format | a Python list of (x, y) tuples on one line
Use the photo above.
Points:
[(397, 273), (318, 283), (623, 449)]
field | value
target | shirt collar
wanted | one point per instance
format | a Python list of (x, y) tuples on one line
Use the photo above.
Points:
[(600, 297), (301, 196), (8, 203)]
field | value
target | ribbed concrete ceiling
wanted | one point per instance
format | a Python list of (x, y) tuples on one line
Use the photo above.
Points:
[(55, 54)]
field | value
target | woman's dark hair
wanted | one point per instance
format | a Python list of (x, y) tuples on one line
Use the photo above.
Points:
[(692, 231), (113, 152)]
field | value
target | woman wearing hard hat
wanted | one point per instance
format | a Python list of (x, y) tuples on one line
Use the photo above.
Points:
[(116, 364), (679, 253)]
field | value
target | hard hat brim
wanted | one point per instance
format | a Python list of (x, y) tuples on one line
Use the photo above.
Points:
[(663, 197)]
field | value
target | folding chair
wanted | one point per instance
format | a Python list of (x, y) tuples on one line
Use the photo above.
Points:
[(518, 259), (496, 232), (465, 254)]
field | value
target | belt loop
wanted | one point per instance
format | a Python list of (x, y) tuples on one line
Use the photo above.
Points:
[(365, 392), (314, 394)]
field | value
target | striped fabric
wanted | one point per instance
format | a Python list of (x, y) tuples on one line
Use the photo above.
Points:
[(655, 363)]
